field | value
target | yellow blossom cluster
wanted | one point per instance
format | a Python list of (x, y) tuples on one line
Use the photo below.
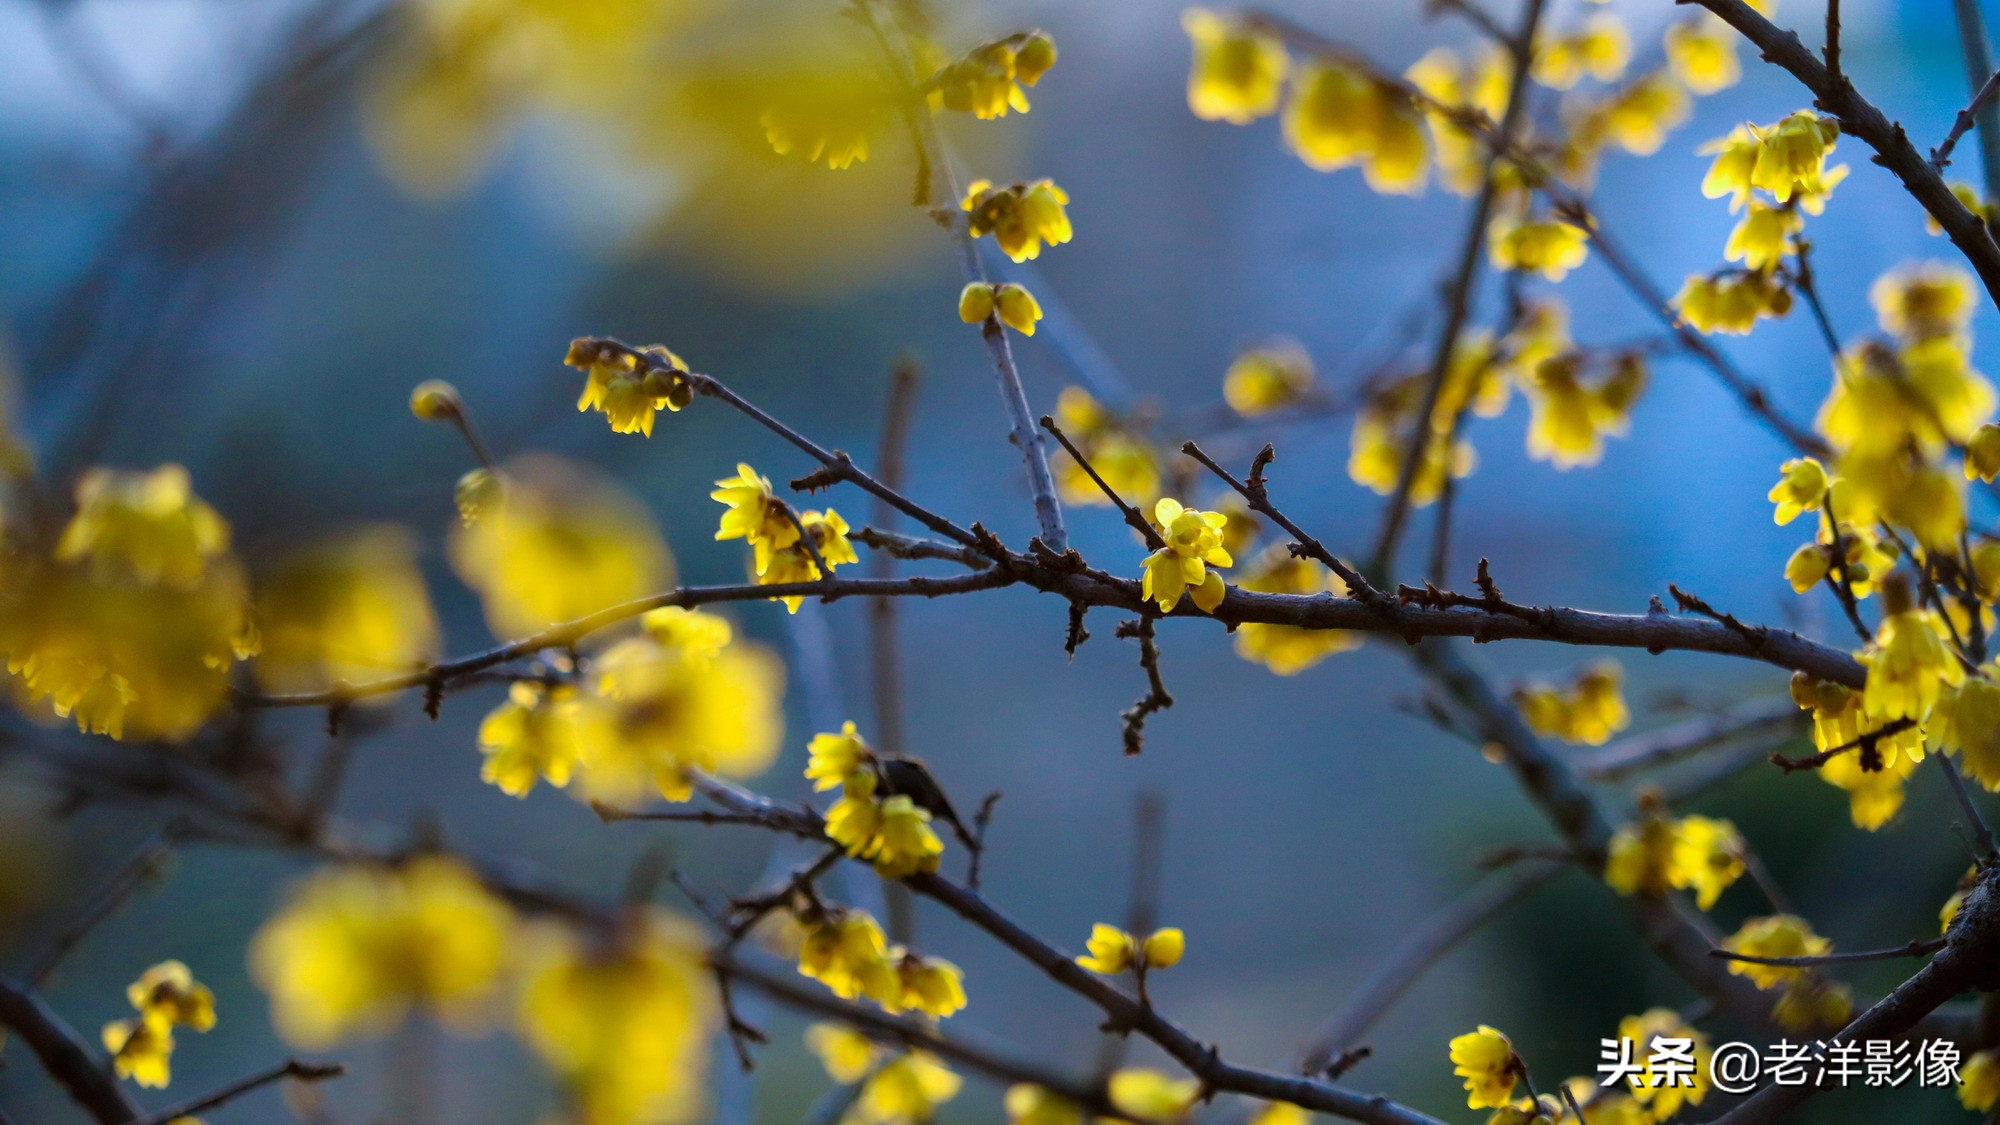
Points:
[(1112, 951), (988, 80), (1587, 710), (1013, 304), (1655, 1091), (1787, 163), (1657, 852), (130, 623), (1113, 446), (1807, 1000), (893, 831), (629, 388), (1871, 773), (900, 1089), (1192, 544), (165, 996), (779, 537), (846, 951), (681, 698), (1020, 217)]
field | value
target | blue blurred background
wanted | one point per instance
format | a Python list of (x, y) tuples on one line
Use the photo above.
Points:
[(260, 315)]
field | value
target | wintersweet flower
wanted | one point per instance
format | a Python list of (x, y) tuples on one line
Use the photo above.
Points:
[(1802, 487), (1238, 71), (1340, 116), (1486, 1060), (1021, 217), (1193, 543)]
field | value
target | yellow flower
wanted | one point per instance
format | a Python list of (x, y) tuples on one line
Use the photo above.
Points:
[(1923, 299), (983, 83), (354, 948), (1163, 948), (1111, 950), (1657, 1090), (1028, 1104), (975, 302), (1638, 116), (1763, 236), (141, 1050), (1807, 567), (563, 543), (1731, 303), (1708, 857), (846, 1054), (1268, 378), (1982, 453), (1238, 71), (1280, 1113), (478, 492), (1291, 649), (680, 710), (906, 844), (1791, 155), (1778, 935), (149, 525), (1485, 1059), (1017, 307), (1702, 53), (849, 955), (1020, 217), (1126, 462), (837, 758), (755, 513), (906, 1091), (541, 733), (1550, 247), (627, 395), (931, 985), (1801, 487), (1480, 84), (1340, 116), (793, 564), (1588, 710), (1640, 858), (624, 1022), (1967, 722), (1814, 1003), (855, 820), (1151, 1097), (1979, 1081), (1570, 416), (348, 610), (835, 134), (1193, 544), (1601, 48), (1909, 664), (168, 994)]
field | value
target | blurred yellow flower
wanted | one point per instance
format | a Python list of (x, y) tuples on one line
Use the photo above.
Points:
[(1340, 116), (541, 733), (355, 948), (1268, 378), (1290, 649), (1021, 217), (347, 610), (1600, 48), (679, 710), (624, 1022), (1151, 1097), (149, 525), (1238, 71)]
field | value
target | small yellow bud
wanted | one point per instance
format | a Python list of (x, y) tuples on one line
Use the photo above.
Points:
[(434, 400), (1163, 948), (975, 302), (1017, 307), (1805, 691), (1807, 566), (1034, 58), (1982, 453)]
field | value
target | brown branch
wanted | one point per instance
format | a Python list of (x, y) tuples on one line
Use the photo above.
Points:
[(1458, 298), (1913, 948), (1157, 698), (1967, 117), (1762, 719), (1255, 492), (293, 1070), (1133, 518), (1423, 948), (64, 1056), (1978, 71)]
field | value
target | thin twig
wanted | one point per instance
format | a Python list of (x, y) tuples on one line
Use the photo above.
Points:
[(1157, 698), (293, 1070), (1914, 948), (142, 867)]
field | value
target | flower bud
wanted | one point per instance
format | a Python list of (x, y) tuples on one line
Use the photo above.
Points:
[(1982, 453), (434, 400), (1034, 57), (1017, 307), (1807, 567), (1163, 948), (975, 302)]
